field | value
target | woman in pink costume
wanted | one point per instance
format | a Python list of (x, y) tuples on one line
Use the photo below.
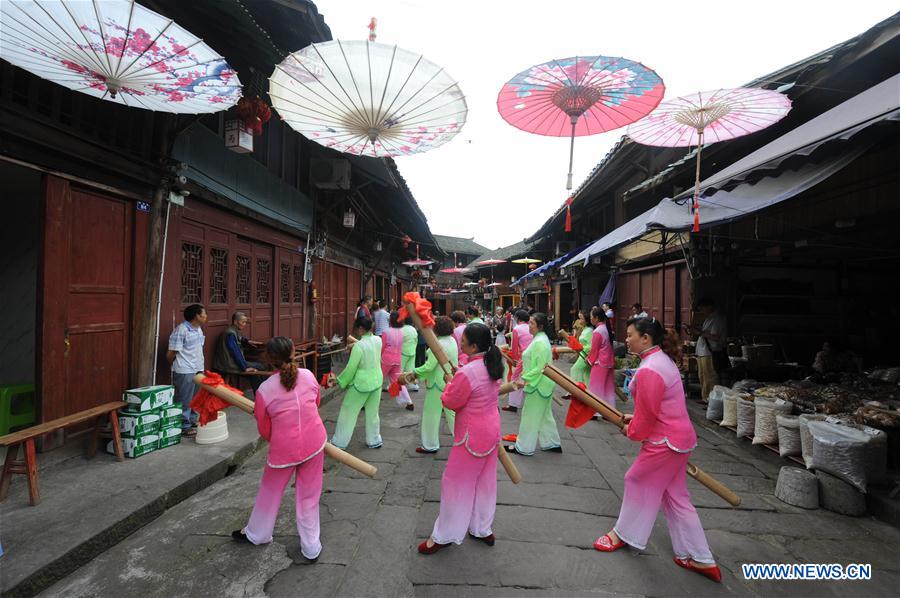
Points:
[(658, 475), (601, 360), (521, 340), (469, 483), (392, 358), (287, 415), (459, 326)]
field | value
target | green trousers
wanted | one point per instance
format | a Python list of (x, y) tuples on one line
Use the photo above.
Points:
[(537, 424), (581, 372), (431, 419), (355, 400)]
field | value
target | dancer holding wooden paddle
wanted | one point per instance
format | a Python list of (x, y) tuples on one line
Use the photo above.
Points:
[(658, 477)]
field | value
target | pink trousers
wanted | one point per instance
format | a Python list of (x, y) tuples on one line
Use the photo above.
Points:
[(268, 500), (468, 497), (603, 384), (658, 477), (516, 397), (391, 372)]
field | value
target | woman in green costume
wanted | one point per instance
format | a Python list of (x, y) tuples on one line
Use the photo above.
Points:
[(362, 379), (433, 375), (537, 424)]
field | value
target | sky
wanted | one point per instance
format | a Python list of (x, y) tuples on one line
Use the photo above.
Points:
[(498, 184)]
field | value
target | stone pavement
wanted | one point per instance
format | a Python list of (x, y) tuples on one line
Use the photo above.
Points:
[(545, 527)]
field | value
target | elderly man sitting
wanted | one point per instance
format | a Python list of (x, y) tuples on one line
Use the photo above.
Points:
[(229, 357)]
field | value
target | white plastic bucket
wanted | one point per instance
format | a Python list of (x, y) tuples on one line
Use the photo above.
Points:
[(214, 431)]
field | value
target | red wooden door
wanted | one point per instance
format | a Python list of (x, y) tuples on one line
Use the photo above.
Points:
[(85, 299), (263, 295)]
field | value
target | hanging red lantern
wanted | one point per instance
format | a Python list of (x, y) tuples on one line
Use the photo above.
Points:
[(254, 112), (569, 215), (531, 266), (406, 240)]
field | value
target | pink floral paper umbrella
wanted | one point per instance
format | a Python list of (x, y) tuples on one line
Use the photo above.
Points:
[(577, 96), (708, 117), (418, 262), (117, 50)]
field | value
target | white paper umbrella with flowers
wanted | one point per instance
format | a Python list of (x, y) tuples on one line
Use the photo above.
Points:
[(119, 51), (709, 117), (368, 99)]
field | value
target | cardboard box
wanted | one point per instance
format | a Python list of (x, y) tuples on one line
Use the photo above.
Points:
[(148, 398), (170, 417), (133, 426), (135, 447), (169, 437)]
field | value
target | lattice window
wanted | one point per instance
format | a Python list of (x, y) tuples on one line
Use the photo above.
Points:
[(285, 283), (298, 284), (263, 281), (242, 280), (218, 275), (191, 272)]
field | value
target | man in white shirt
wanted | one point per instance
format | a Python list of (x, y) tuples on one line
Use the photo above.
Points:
[(381, 318), (711, 338), (186, 356), (637, 311)]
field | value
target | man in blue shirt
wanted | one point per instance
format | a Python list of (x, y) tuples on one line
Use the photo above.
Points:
[(229, 357), (186, 356), (382, 318)]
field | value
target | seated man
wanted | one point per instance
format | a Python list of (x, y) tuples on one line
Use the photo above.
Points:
[(229, 357)]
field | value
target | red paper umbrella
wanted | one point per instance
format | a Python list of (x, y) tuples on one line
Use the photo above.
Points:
[(417, 263), (491, 262), (577, 96)]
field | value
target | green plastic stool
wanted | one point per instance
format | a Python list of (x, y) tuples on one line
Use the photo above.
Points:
[(24, 414)]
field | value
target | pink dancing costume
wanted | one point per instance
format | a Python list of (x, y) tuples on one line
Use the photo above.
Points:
[(469, 483), (658, 476), (602, 363), (521, 340), (457, 334), (289, 420), (391, 358)]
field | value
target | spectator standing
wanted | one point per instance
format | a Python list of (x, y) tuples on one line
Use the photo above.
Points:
[(711, 348), (381, 317), (185, 354)]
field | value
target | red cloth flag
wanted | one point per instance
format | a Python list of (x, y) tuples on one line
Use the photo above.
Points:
[(394, 389), (422, 307), (208, 405), (578, 413), (573, 344)]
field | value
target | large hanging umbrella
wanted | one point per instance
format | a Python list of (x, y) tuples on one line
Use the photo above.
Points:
[(708, 117), (577, 96), (119, 51), (417, 263), (490, 262), (368, 99), (527, 261)]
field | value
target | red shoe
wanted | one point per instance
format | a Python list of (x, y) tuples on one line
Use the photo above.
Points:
[(713, 573), (605, 544), (512, 408), (510, 438), (423, 450), (489, 540), (424, 548)]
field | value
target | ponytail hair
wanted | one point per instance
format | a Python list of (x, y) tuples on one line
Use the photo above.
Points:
[(281, 354), (480, 336), (667, 340), (543, 324)]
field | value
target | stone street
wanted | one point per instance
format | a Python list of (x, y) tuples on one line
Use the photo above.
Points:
[(545, 528)]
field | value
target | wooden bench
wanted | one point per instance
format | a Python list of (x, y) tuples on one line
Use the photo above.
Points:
[(28, 466)]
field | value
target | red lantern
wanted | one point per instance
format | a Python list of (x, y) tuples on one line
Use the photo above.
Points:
[(531, 266), (569, 215), (406, 241), (254, 112)]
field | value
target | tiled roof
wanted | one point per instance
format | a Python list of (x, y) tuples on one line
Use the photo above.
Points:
[(459, 245)]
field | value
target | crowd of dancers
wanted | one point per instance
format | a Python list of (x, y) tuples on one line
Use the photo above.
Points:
[(509, 348)]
